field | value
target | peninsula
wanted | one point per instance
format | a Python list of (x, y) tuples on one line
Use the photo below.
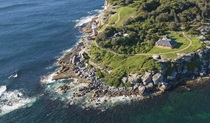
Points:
[(136, 49)]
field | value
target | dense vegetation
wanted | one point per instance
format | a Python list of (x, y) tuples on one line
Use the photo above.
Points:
[(120, 2), (151, 19), (134, 28)]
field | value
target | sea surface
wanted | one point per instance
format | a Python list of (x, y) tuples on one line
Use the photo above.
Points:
[(35, 33)]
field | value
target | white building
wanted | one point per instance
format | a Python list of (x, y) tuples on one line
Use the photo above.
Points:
[(94, 28)]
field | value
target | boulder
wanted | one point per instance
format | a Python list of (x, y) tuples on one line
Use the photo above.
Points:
[(179, 69), (196, 71), (209, 66), (141, 90), (163, 86), (74, 60), (157, 78), (149, 87), (172, 76), (124, 79), (185, 70), (136, 86), (133, 78), (146, 78), (187, 58), (156, 57)]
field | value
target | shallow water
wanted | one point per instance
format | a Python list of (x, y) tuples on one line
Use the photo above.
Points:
[(33, 34)]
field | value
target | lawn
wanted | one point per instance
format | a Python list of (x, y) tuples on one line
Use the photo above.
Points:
[(125, 12), (129, 64), (196, 44), (182, 43)]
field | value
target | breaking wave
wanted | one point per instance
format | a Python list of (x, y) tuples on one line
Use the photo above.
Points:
[(57, 92), (85, 20), (12, 100)]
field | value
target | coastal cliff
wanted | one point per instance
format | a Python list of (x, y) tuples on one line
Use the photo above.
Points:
[(156, 74)]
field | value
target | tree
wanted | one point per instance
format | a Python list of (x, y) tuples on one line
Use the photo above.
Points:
[(163, 17), (101, 37), (173, 26)]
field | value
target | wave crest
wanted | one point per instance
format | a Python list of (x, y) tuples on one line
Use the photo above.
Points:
[(12, 100)]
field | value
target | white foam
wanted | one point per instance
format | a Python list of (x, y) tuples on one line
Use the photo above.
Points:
[(48, 79), (13, 76), (51, 67), (98, 10), (67, 51), (84, 101), (84, 20), (12, 100), (2, 89), (95, 11)]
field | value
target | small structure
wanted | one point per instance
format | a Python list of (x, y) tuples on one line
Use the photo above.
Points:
[(116, 35), (166, 42), (94, 30)]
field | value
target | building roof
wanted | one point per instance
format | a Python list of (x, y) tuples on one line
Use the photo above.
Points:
[(166, 42)]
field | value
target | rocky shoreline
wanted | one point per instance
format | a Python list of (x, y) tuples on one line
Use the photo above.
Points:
[(75, 65), (72, 65)]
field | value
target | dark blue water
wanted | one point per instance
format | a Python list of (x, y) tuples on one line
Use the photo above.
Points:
[(33, 34)]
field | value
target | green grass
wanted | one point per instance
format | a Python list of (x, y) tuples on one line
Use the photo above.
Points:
[(170, 56), (196, 44), (119, 65), (182, 43), (125, 12)]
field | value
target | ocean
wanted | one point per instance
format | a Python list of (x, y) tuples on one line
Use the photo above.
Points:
[(34, 34)]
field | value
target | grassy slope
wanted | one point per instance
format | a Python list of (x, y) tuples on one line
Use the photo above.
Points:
[(135, 64), (125, 12), (118, 66), (114, 62), (182, 43)]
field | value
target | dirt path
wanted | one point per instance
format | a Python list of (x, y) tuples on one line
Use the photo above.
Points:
[(181, 49), (118, 16), (148, 54)]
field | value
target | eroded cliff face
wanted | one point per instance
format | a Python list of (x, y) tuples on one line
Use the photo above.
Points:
[(189, 66)]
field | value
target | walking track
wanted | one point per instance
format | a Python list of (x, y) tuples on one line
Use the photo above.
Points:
[(148, 54)]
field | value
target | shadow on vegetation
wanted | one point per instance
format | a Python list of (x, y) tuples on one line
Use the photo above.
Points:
[(178, 45)]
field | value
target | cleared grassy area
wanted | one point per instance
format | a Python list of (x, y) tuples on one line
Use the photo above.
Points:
[(121, 15), (196, 44), (128, 64), (170, 56), (182, 42), (120, 65)]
